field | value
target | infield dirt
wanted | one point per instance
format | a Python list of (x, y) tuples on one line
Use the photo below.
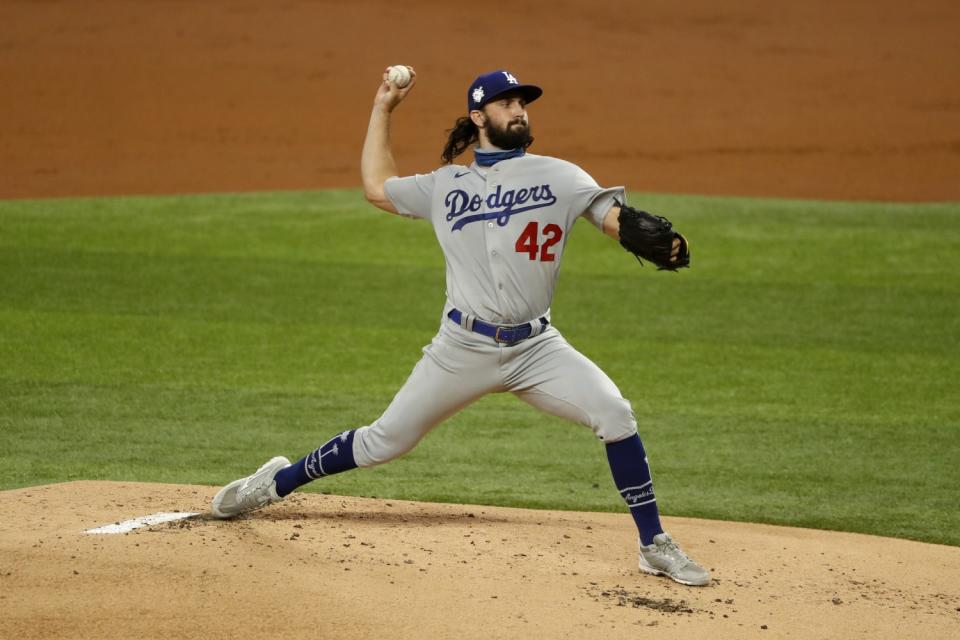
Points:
[(816, 99), (331, 567)]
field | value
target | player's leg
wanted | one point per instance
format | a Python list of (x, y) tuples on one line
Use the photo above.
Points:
[(431, 394), (447, 378), (554, 377)]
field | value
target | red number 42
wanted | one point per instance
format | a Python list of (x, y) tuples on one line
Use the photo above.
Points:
[(527, 242)]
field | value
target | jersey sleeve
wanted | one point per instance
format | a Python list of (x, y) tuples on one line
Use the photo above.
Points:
[(412, 196), (591, 200)]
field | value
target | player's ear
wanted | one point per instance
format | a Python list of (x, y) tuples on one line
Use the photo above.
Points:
[(478, 118)]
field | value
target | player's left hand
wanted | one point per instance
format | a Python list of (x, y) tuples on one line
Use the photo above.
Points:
[(681, 247)]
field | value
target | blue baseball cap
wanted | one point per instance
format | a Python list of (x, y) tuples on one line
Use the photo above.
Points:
[(488, 86)]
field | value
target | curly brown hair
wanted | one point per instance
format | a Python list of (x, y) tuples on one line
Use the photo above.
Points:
[(459, 139)]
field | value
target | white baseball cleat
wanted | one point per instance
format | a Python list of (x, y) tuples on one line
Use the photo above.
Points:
[(250, 493), (664, 558)]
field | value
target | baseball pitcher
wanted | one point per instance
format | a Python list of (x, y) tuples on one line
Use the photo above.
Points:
[(502, 221)]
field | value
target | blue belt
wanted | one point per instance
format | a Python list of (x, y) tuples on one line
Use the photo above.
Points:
[(503, 334)]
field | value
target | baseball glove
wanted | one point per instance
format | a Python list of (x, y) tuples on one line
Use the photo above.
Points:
[(651, 237)]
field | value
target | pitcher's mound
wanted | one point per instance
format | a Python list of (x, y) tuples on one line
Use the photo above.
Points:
[(320, 566)]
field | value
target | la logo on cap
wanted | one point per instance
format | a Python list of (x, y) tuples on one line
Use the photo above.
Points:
[(488, 86)]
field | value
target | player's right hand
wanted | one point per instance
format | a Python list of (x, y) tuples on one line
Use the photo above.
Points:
[(389, 95)]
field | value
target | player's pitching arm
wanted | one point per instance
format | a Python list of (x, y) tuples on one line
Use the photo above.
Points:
[(376, 161), (611, 227)]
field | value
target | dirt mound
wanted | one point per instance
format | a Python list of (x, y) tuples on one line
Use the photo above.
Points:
[(328, 566)]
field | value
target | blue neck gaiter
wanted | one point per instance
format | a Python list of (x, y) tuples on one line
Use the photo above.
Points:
[(490, 158)]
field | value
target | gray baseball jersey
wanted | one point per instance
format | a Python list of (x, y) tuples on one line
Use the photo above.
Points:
[(503, 231)]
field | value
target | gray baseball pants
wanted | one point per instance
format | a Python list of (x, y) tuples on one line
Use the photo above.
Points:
[(459, 367)]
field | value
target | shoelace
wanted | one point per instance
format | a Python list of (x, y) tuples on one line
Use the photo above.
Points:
[(251, 487), (671, 546)]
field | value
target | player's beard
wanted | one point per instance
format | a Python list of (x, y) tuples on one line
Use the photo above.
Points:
[(510, 137)]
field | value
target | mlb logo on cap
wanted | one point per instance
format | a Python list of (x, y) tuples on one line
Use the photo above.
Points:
[(488, 86)]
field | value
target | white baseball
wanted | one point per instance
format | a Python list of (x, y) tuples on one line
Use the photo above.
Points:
[(399, 75)]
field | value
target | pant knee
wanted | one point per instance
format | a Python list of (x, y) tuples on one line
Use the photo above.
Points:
[(615, 422), (374, 444)]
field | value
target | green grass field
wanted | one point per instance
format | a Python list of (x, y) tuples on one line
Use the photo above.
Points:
[(803, 372)]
